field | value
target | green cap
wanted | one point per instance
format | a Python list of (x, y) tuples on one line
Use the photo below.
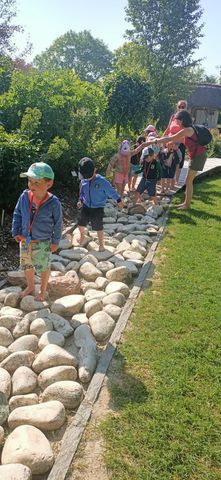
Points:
[(39, 170)]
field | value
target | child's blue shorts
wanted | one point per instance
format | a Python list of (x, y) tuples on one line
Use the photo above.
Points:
[(149, 185)]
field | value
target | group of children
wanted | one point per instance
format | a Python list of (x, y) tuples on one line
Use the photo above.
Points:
[(37, 218)]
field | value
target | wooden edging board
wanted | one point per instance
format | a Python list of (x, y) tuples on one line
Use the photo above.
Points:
[(76, 429)]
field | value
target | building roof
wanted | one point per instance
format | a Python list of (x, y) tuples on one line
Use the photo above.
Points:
[(206, 95)]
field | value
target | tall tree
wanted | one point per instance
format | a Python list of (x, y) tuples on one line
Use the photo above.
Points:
[(128, 99), (170, 31), (89, 57), (7, 28)]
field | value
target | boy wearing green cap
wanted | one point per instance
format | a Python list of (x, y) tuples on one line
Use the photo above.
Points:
[(37, 226)]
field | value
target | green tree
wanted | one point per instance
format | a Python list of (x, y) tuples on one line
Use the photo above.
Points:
[(128, 98), (170, 31), (30, 122), (89, 57)]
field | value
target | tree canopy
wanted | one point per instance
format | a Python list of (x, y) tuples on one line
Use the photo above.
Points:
[(89, 57)]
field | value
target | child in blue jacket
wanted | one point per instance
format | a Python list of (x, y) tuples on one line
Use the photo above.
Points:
[(94, 192), (37, 226)]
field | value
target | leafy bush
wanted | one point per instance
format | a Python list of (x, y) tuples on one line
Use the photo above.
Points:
[(16, 155), (214, 148)]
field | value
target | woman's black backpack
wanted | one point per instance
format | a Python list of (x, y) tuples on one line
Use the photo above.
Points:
[(203, 134)]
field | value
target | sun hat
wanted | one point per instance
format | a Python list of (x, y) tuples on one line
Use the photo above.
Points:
[(86, 167), (124, 147), (150, 128), (146, 152), (152, 134), (38, 171)]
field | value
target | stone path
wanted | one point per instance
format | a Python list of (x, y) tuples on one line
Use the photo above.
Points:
[(49, 350)]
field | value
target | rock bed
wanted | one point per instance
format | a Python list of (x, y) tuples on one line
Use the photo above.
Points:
[(49, 350)]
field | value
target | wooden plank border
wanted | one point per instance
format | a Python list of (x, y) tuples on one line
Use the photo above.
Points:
[(76, 429)]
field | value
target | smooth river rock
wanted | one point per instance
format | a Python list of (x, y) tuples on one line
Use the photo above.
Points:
[(101, 325), (119, 287), (27, 342), (67, 392), (56, 374), (5, 382), (15, 471), (46, 416), (52, 356), (29, 446), (16, 360), (49, 338), (68, 305), (24, 380), (22, 400)]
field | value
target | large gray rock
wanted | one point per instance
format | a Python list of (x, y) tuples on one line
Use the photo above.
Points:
[(119, 274), (21, 328), (24, 380), (22, 400), (101, 283), (29, 446), (6, 337), (12, 299), (16, 360), (89, 258), (114, 299), (5, 291), (74, 254), (78, 319), (49, 338), (46, 416), (87, 354), (27, 342), (119, 287), (101, 325), (8, 321), (92, 294), (56, 374), (40, 326), (105, 255), (68, 305), (15, 312), (5, 382), (67, 392), (17, 277), (132, 255), (113, 310), (89, 272), (105, 266), (61, 325), (15, 471), (130, 266), (28, 304), (92, 307), (53, 356)]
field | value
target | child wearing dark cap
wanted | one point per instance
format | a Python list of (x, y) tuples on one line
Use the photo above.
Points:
[(151, 174), (94, 192)]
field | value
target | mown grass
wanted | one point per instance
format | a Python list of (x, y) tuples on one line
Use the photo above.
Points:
[(167, 392)]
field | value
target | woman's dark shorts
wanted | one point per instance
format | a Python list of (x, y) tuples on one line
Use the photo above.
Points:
[(149, 185), (93, 216), (182, 148)]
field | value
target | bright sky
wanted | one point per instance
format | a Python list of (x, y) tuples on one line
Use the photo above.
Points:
[(45, 20)]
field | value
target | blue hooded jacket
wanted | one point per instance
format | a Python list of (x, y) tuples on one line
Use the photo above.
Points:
[(94, 193), (47, 223)]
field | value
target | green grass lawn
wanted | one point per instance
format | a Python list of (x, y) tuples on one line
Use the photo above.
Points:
[(167, 391)]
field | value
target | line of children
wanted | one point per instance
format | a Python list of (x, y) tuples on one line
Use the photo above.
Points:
[(120, 163)]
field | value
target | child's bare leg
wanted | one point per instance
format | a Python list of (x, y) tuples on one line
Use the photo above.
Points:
[(30, 279), (100, 234), (82, 234), (137, 197), (177, 174), (120, 188), (44, 283), (134, 179), (129, 183)]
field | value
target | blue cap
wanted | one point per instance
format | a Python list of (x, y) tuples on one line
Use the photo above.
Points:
[(38, 171)]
